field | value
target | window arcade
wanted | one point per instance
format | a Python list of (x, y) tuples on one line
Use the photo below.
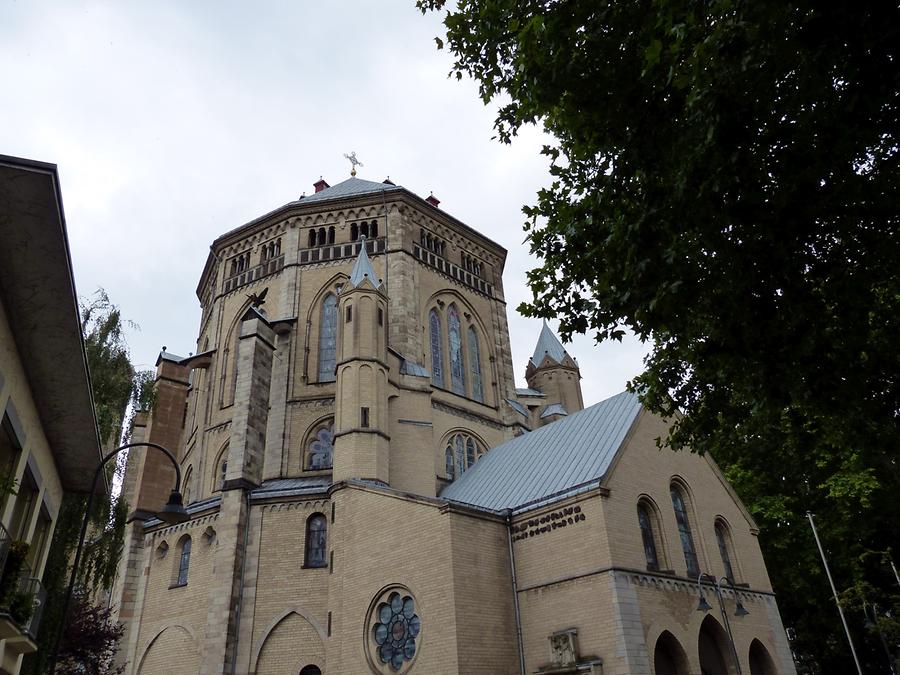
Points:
[(464, 353), (328, 339)]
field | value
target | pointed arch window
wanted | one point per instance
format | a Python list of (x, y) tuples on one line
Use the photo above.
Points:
[(722, 539), (645, 521), (321, 447), (437, 352), (316, 540), (457, 372), (475, 366), (328, 339), (684, 531), (461, 452)]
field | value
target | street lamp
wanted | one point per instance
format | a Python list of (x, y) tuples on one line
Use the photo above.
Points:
[(740, 610), (173, 513)]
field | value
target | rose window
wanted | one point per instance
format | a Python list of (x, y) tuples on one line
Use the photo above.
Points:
[(395, 630)]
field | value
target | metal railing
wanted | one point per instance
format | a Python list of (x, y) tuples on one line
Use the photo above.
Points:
[(5, 541), (33, 587)]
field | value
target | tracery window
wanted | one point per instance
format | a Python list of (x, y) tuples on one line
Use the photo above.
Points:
[(437, 352), (321, 447), (475, 366), (328, 339), (184, 562), (645, 521), (461, 453), (684, 531), (316, 539), (722, 540), (223, 469), (457, 373), (395, 627)]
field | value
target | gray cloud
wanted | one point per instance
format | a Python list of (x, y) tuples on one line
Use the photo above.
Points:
[(173, 122)]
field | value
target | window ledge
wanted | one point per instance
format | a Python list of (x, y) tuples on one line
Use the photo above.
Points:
[(304, 566), (177, 585)]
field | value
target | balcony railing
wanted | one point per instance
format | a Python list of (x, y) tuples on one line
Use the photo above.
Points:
[(34, 588), (5, 541), (264, 269)]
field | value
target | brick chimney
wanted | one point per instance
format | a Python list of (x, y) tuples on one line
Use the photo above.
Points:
[(320, 184), (434, 201)]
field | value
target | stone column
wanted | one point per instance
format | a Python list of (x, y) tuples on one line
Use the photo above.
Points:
[(245, 467)]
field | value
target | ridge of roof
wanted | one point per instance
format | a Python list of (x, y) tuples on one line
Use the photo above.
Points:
[(550, 461), (548, 345)]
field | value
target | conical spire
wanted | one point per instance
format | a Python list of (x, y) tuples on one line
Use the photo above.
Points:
[(362, 268), (548, 345)]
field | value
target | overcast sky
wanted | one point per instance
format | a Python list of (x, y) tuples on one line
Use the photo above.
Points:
[(174, 122)]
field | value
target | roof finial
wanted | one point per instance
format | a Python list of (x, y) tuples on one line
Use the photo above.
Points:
[(353, 162)]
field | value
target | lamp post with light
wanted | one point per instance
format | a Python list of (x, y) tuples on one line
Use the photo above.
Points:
[(173, 513), (739, 611)]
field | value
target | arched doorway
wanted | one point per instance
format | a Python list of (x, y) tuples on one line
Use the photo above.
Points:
[(669, 657), (310, 670), (760, 661), (714, 649)]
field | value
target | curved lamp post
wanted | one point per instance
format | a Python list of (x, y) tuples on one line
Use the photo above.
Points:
[(173, 512), (740, 610)]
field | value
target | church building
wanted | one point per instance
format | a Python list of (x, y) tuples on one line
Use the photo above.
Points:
[(370, 493)]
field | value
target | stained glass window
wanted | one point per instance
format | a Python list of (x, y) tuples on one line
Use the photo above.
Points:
[(721, 539), (457, 373), (321, 447), (184, 563), (475, 366), (470, 452), (437, 353), (395, 630), (461, 453), (316, 537), (328, 339), (684, 532), (646, 524), (449, 465)]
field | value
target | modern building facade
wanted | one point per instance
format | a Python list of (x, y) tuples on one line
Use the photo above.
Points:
[(370, 492), (48, 435)]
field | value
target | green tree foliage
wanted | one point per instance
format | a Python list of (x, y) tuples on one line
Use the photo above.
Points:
[(116, 386), (724, 179)]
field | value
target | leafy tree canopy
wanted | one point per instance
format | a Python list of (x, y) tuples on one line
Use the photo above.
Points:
[(724, 180)]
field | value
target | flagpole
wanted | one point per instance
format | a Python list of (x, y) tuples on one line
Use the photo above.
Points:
[(834, 592)]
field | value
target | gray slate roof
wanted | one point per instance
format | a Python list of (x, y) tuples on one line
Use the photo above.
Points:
[(529, 392), (551, 463), (351, 187), (554, 409), (518, 407), (362, 268), (548, 345)]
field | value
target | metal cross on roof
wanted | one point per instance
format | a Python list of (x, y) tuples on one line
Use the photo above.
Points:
[(353, 162)]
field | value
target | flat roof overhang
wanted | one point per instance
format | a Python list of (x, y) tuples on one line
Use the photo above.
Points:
[(38, 293)]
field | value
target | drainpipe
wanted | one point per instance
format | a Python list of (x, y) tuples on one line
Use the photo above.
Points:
[(515, 589)]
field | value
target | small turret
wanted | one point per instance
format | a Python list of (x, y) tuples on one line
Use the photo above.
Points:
[(554, 373), (361, 442)]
